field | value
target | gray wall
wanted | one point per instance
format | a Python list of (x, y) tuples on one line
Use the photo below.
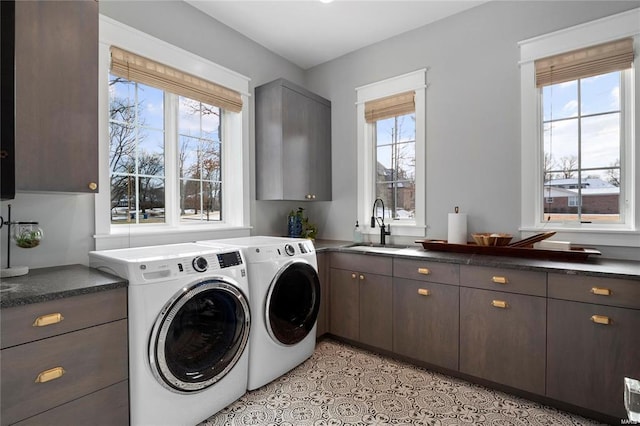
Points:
[(472, 116), (473, 110)]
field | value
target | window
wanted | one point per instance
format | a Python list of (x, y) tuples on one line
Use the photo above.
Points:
[(391, 153), (174, 133), (578, 132), (583, 139), (395, 165)]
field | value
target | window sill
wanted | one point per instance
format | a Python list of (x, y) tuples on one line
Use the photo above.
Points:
[(588, 235)]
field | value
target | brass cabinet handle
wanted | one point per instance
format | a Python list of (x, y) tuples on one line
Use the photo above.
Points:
[(499, 303), (354, 276), (93, 186), (499, 280), (48, 319), (601, 319), (424, 292), (51, 374), (361, 277), (310, 196), (424, 271), (601, 291)]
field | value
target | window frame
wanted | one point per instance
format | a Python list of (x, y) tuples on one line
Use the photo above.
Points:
[(614, 27), (235, 158), (366, 171)]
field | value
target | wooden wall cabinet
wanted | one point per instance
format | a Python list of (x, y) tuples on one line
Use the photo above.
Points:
[(361, 299), (293, 143), (56, 96), (66, 361), (425, 311), (593, 341)]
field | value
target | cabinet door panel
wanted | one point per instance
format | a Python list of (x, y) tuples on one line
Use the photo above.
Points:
[(587, 362), (320, 161), (345, 306), (324, 294), (296, 112), (504, 345), (426, 326), (375, 310), (92, 359), (56, 95)]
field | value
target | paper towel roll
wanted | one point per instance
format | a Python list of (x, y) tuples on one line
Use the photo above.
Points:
[(457, 229)]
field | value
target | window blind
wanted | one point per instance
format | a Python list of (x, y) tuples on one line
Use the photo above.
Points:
[(146, 71), (599, 59), (390, 106)]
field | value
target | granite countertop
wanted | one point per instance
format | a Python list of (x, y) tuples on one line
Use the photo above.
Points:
[(593, 266), (44, 284)]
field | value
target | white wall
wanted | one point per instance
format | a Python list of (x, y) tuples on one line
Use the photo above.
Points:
[(472, 116), (473, 110)]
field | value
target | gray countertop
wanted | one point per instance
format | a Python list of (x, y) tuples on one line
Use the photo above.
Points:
[(44, 284), (593, 266)]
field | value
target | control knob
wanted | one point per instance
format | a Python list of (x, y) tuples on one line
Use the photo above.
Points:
[(200, 264), (289, 249)]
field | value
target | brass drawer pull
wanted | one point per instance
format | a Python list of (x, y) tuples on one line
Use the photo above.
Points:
[(601, 319), (361, 277), (423, 292), (354, 276), (601, 291), (424, 271), (51, 374), (48, 319), (499, 303), (499, 280)]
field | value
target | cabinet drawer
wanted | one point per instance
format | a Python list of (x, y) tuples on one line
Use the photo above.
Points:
[(510, 280), (92, 359), (108, 407), (19, 324), (380, 265), (446, 273), (603, 291)]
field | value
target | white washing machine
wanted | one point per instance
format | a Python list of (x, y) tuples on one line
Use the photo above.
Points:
[(189, 322), (285, 300)]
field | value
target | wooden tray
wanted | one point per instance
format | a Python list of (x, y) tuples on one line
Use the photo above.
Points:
[(576, 254)]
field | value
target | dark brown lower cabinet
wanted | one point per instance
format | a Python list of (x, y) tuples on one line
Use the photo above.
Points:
[(361, 307), (344, 317), (323, 320), (588, 357), (376, 293), (503, 338), (426, 321)]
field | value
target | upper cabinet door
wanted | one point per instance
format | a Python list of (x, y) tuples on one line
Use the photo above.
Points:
[(293, 143), (57, 96)]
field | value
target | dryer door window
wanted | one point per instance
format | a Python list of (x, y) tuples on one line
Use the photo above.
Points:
[(293, 303), (199, 336)]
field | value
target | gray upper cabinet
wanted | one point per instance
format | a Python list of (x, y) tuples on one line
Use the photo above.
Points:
[(293, 143), (56, 96)]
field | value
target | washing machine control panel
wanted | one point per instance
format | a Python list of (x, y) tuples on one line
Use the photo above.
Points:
[(232, 258)]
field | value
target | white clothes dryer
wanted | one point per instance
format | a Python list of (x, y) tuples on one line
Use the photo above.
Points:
[(285, 300), (189, 321)]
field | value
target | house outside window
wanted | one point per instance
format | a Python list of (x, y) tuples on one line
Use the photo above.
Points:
[(173, 141), (392, 153), (578, 132)]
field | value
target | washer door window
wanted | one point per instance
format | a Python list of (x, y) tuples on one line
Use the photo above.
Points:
[(199, 336), (293, 303)]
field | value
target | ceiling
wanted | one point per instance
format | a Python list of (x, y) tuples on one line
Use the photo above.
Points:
[(309, 32)]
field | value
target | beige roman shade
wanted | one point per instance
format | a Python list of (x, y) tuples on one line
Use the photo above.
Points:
[(143, 70), (390, 106), (587, 62)]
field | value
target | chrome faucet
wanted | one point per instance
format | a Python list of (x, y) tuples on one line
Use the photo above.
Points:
[(384, 229)]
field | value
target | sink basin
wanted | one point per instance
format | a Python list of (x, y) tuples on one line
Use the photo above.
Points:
[(377, 245)]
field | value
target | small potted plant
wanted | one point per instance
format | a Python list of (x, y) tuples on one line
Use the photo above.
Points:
[(27, 235)]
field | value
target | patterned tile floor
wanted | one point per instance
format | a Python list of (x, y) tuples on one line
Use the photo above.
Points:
[(343, 385)]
